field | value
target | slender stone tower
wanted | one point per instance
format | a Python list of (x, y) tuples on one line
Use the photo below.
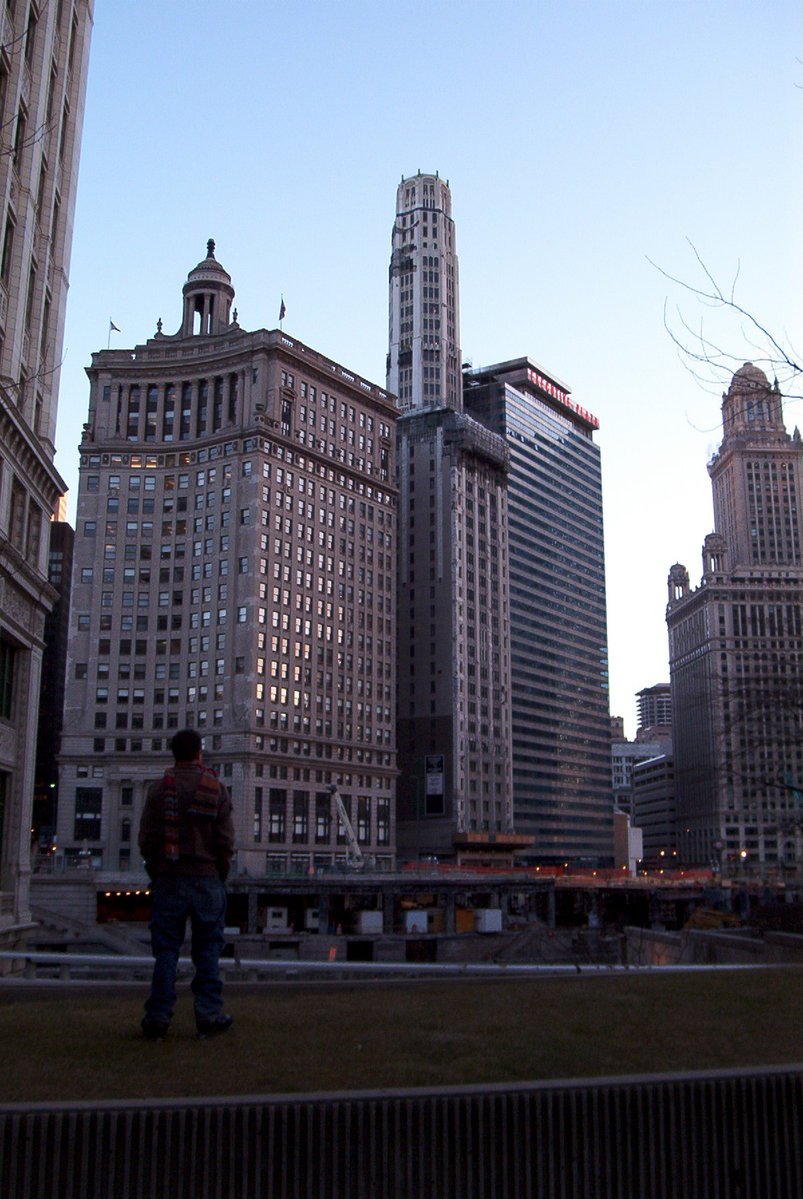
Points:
[(454, 724), (424, 357)]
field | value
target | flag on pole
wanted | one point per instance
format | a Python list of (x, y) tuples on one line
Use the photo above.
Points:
[(282, 310), (112, 326)]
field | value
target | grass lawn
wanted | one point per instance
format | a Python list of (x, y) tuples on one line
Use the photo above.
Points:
[(85, 1044)]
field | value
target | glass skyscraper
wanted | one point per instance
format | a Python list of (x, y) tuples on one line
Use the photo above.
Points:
[(558, 635)]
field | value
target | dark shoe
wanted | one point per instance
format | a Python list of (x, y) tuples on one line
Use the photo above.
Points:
[(154, 1030), (214, 1027)]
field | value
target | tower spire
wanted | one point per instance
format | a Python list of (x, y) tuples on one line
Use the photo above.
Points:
[(208, 294), (424, 368)]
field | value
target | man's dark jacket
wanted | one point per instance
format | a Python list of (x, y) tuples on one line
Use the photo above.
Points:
[(205, 842)]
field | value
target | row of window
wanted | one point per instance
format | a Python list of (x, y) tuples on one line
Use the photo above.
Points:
[(295, 817)]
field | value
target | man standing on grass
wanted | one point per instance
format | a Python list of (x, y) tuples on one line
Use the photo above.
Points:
[(186, 837)]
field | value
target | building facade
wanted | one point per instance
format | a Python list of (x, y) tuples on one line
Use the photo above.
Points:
[(625, 756), (51, 695), (235, 563), (736, 647), (43, 72), (653, 785), (454, 718), (558, 630)]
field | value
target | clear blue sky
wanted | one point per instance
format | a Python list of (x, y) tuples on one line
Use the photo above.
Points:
[(580, 139)]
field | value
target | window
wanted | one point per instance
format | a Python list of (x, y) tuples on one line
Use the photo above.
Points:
[(323, 817), (17, 517), (363, 820), (19, 136), (8, 655), (88, 806), (300, 810), (257, 814), (383, 822), (276, 813), (8, 247)]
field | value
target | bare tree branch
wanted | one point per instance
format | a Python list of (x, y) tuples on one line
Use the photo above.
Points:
[(712, 364)]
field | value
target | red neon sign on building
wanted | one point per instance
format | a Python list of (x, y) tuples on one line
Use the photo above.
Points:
[(562, 396)]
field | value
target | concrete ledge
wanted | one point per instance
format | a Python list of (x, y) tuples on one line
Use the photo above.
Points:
[(655, 947), (728, 1134)]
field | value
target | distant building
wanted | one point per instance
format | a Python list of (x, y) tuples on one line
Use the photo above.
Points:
[(618, 728), (736, 647), (43, 74), (558, 632), (655, 707), (235, 571), (628, 843), (653, 809), (624, 755), (454, 727)]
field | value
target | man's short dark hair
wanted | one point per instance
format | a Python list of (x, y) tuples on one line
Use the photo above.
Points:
[(186, 745)]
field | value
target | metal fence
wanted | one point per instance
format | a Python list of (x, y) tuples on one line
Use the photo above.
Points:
[(723, 1135)]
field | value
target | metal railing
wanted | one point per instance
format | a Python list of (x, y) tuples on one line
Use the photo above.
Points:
[(36, 964), (724, 1135)]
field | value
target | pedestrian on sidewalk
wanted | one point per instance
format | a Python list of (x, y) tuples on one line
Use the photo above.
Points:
[(186, 837)]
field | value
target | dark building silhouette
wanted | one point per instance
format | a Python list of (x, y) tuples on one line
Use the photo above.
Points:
[(51, 695)]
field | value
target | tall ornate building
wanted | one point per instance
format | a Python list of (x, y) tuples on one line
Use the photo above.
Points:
[(558, 632), (736, 648), (43, 71), (454, 718), (424, 351), (235, 560)]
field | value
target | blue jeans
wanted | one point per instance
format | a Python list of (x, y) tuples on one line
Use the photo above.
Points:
[(203, 902)]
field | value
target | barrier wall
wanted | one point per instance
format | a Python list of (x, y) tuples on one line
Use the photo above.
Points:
[(728, 1134)]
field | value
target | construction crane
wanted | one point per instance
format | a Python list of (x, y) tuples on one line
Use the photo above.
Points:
[(354, 855)]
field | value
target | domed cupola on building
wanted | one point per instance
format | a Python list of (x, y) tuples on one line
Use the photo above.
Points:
[(751, 405), (208, 294)]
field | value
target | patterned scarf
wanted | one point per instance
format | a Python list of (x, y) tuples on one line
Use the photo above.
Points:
[(206, 799), (204, 803), (170, 798)]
